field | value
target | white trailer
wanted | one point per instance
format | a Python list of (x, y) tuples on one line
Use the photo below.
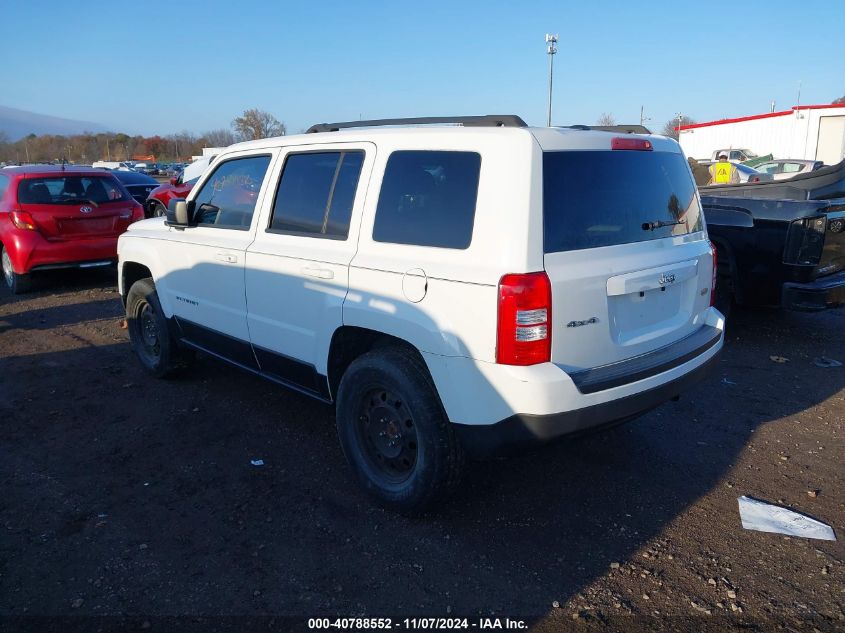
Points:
[(811, 132)]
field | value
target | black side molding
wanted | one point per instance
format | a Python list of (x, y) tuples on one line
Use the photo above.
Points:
[(646, 365)]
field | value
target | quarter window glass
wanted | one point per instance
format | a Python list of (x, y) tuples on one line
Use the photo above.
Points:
[(316, 194), (227, 200), (4, 184), (428, 199), (792, 168)]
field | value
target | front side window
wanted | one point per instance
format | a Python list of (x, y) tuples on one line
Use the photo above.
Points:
[(71, 190), (316, 193), (792, 168), (428, 198), (227, 199)]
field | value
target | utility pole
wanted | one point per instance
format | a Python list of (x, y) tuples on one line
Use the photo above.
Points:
[(643, 117), (799, 93), (108, 151), (551, 49)]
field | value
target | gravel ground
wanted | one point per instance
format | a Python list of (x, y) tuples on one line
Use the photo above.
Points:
[(121, 495)]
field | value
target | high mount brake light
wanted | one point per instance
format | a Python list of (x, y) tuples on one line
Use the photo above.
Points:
[(524, 335), (636, 144)]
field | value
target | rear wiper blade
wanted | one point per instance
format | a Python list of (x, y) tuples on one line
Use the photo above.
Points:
[(659, 224)]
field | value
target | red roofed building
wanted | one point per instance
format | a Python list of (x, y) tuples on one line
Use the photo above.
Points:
[(812, 132)]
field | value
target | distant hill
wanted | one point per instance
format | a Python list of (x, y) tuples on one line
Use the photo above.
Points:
[(19, 123)]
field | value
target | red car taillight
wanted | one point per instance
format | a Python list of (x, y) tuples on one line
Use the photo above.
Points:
[(137, 213), (713, 279), (23, 220), (524, 334)]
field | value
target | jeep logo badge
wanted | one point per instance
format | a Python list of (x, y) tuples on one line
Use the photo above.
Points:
[(86, 209), (666, 278)]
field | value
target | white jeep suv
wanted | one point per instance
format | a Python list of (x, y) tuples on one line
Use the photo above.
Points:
[(453, 289)]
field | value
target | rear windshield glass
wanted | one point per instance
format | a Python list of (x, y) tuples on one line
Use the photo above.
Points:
[(70, 190), (604, 198)]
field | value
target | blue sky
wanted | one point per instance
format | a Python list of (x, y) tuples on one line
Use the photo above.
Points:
[(160, 67)]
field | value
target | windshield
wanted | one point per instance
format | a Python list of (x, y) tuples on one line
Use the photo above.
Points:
[(70, 190), (604, 198)]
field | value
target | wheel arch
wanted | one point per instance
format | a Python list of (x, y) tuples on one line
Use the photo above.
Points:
[(350, 342), (130, 272)]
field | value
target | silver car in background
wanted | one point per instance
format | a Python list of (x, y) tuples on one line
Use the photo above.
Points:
[(785, 168)]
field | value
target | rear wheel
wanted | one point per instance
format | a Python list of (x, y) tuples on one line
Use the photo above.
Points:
[(149, 335), (17, 283), (394, 432)]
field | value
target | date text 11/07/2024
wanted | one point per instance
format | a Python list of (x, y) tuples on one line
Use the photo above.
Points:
[(350, 624)]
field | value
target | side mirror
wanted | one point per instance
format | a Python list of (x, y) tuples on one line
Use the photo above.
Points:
[(174, 181), (179, 213)]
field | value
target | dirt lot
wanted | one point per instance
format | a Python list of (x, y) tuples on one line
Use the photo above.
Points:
[(124, 496)]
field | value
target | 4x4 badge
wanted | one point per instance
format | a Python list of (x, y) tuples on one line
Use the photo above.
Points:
[(666, 278), (589, 321), (86, 209)]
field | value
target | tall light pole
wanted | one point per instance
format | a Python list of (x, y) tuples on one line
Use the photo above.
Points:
[(680, 122), (551, 49)]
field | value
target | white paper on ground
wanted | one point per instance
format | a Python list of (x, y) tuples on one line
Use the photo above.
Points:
[(765, 517)]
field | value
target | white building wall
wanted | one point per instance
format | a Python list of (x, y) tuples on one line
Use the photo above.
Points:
[(790, 135)]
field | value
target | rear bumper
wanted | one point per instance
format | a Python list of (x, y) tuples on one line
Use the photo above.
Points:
[(821, 294), (521, 431), (29, 251)]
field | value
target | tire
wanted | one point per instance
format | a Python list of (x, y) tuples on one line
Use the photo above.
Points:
[(17, 284), (158, 210), (149, 334), (394, 433)]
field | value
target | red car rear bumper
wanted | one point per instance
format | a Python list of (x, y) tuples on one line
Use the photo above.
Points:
[(29, 251)]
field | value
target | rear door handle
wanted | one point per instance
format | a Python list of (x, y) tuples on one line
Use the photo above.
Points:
[(229, 258), (319, 273)]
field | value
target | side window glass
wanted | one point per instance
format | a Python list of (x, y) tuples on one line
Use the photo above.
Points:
[(4, 184), (316, 194), (792, 168), (227, 200), (428, 199)]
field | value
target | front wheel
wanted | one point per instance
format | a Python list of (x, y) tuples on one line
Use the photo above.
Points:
[(158, 210), (18, 284), (149, 335), (394, 433)]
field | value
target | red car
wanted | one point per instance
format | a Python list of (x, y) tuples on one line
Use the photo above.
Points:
[(54, 217), (161, 196)]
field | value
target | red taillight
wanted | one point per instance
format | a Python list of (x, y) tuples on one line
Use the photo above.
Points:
[(713, 279), (636, 144), (137, 213), (525, 319), (23, 220)]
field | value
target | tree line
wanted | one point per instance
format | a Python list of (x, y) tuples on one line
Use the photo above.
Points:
[(89, 147)]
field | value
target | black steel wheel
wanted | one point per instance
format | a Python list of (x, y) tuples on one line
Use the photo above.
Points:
[(394, 433), (387, 434)]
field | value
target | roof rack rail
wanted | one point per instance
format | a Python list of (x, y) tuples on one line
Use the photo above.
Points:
[(487, 120)]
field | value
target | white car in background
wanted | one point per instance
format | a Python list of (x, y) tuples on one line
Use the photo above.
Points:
[(783, 169)]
